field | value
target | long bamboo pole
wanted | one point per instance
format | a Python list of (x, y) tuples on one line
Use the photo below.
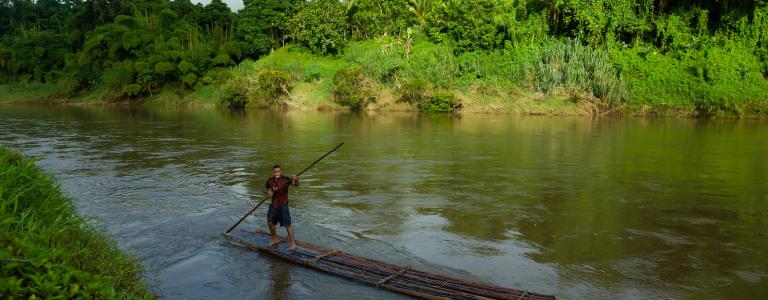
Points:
[(267, 197)]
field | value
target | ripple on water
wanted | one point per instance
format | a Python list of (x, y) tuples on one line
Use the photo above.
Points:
[(579, 208)]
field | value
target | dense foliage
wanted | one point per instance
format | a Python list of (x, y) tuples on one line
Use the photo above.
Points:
[(128, 48), (264, 24), (50, 252), (673, 53), (321, 26)]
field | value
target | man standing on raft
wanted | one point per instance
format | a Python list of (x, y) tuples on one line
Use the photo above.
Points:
[(277, 188)]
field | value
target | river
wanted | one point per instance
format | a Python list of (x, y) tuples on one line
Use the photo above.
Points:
[(578, 208)]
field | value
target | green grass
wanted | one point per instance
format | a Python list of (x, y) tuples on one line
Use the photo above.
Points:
[(558, 76), (719, 82), (205, 95), (47, 250), (483, 81), (27, 92), (311, 77)]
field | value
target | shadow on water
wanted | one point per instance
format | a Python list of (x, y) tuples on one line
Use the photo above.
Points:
[(281, 282)]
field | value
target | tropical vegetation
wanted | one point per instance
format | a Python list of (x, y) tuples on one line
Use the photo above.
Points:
[(706, 58)]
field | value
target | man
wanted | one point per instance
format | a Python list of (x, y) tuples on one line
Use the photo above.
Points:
[(277, 188)]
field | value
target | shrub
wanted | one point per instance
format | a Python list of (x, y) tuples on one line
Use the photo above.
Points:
[(443, 101), (414, 91), (69, 85), (434, 63), (379, 61), (489, 67), (189, 80), (721, 108), (351, 88), (756, 107), (273, 84), (696, 79), (234, 93)]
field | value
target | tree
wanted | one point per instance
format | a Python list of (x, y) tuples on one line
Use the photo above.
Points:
[(601, 20), (420, 9), (321, 26), (263, 24), (472, 24), (216, 13), (218, 19), (372, 18)]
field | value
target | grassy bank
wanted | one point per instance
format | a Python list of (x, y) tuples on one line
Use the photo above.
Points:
[(50, 252), (681, 58), (558, 77)]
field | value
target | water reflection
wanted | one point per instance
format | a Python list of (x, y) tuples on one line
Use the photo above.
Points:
[(281, 282)]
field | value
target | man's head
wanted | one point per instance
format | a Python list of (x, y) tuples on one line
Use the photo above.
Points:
[(276, 171)]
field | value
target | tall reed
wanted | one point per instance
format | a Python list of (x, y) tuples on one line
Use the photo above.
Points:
[(570, 64)]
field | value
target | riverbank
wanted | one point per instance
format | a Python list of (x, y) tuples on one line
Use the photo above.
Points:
[(310, 96), (304, 97), (560, 78), (51, 252)]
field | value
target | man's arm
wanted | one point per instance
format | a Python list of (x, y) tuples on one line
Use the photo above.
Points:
[(295, 181)]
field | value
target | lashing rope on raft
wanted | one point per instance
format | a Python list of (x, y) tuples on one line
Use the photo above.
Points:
[(324, 255), (402, 279), (390, 277)]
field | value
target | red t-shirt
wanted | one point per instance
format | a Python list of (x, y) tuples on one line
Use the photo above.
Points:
[(280, 187)]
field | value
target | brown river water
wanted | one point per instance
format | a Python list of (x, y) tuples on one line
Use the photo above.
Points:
[(578, 208)]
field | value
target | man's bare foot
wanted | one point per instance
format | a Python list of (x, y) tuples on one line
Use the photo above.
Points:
[(292, 246), (273, 242)]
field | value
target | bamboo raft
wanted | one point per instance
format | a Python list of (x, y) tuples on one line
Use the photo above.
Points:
[(405, 280)]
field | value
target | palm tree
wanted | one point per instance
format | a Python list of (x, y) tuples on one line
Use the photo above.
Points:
[(420, 8)]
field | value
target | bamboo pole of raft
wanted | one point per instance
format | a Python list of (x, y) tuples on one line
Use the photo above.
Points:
[(420, 277), (411, 285), (267, 197), (356, 275), (407, 281), (394, 277), (361, 274), (450, 288), (429, 290), (414, 276), (341, 272)]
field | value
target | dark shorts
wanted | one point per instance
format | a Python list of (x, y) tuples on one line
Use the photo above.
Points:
[(279, 215)]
